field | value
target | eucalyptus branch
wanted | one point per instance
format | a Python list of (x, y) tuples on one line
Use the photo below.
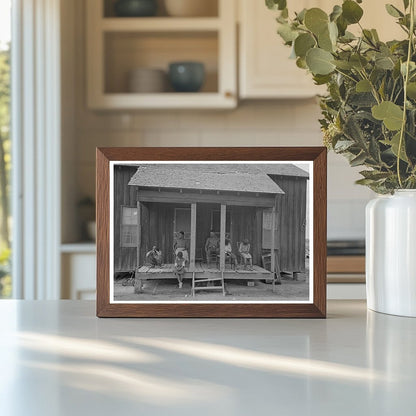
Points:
[(346, 75), (406, 80)]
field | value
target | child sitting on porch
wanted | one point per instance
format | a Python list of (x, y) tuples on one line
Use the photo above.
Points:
[(179, 268), (229, 253), (181, 245), (154, 256), (244, 251)]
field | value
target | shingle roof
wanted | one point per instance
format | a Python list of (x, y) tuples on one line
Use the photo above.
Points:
[(283, 169), (206, 176)]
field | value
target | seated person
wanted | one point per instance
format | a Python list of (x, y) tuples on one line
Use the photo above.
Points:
[(244, 251), (229, 252), (212, 246), (179, 268), (154, 256), (181, 245)]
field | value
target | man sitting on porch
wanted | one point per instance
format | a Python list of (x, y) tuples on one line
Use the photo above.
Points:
[(181, 245), (212, 246)]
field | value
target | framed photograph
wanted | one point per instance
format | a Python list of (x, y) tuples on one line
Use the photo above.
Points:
[(211, 232)]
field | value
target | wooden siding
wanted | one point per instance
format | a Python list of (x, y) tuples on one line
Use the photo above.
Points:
[(291, 212), (124, 257)]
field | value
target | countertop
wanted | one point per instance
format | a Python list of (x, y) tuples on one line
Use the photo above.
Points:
[(57, 358)]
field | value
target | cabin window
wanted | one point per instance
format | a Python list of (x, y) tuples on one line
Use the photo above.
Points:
[(267, 229), (216, 221), (128, 227)]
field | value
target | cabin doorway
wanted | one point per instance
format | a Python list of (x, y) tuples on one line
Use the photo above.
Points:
[(182, 222)]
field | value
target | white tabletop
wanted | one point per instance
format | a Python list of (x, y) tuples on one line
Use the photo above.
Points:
[(57, 358)]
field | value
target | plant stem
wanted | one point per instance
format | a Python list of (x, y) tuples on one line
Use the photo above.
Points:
[(405, 81)]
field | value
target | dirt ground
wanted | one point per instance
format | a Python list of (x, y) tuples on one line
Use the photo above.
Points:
[(236, 290)]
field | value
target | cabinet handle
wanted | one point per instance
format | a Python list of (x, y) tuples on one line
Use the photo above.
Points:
[(229, 94)]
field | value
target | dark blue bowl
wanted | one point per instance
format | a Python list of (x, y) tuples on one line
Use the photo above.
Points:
[(186, 76), (135, 8)]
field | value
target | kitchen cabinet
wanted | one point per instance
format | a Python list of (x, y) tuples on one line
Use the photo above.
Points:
[(265, 70), (78, 263), (118, 45)]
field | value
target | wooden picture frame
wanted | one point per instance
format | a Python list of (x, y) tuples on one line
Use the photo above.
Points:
[(109, 158)]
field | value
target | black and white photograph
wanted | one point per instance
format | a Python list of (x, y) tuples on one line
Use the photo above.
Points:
[(210, 232)]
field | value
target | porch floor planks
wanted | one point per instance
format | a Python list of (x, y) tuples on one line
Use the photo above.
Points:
[(166, 272)]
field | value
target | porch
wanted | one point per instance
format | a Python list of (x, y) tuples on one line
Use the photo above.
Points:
[(166, 272)]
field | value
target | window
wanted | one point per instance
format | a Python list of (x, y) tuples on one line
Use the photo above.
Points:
[(128, 227)]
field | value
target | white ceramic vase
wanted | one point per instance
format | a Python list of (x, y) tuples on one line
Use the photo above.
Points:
[(391, 253)]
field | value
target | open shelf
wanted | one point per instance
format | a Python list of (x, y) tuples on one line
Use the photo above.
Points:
[(119, 45), (160, 24), (210, 7), (126, 51)]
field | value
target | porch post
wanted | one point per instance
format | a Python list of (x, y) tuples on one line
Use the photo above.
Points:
[(222, 237), (193, 238), (139, 232), (272, 243)]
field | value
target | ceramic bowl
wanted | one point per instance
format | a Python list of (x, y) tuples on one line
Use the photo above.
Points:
[(147, 80), (186, 76), (135, 8)]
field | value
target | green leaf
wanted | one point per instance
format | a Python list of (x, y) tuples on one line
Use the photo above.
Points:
[(336, 12), (347, 37), (301, 63), (343, 145), (411, 90), (321, 79), (276, 4), (363, 86), (406, 4), (319, 61), (358, 160), (374, 174), (303, 43), (287, 33), (301, 15), (342, 25), (333, 32), (393, 11), (388, 112), (325, 42), (384, 62), (345, 65), (351, 11), (375, 35), (358, 61), (394, 145), (316, 20)]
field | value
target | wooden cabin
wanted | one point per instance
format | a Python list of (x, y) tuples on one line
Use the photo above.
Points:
[(153, 202)]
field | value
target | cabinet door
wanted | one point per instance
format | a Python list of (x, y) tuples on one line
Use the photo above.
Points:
[(265, 68)]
